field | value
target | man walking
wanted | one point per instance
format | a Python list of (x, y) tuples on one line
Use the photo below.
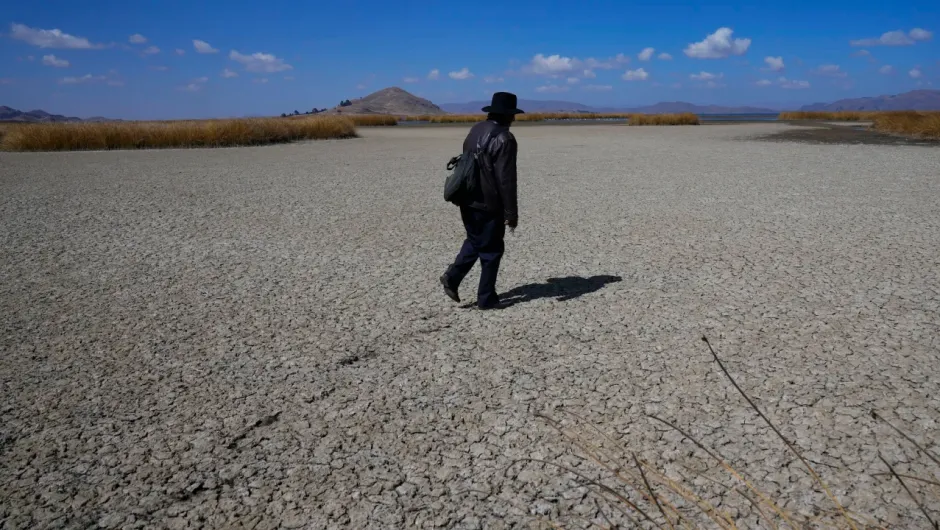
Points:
[(486, 215)]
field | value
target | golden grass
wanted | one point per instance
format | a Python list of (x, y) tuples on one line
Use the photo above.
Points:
[(922, 124), (154, 135), (832, 116), (908, 123), (372, 120), (643, 494), (685, 118)]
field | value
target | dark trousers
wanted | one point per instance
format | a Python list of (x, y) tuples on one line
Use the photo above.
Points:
[(485, 234)]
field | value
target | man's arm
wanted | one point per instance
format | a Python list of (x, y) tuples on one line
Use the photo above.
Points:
[(504, 167)]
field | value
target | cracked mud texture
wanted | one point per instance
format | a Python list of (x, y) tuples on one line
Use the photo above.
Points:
[(256, 337)]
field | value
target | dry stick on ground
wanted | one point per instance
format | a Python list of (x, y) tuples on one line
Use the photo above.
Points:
[(721, 519), (912, 477), (685, 493), (598, 450), (906, 437), (592, 451), (650, 489), (727, 466), (591, 481), (909, 492), (782, 437), (735, 489)]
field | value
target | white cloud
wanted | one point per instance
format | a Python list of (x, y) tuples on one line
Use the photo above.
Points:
[(830, 70), (896, 38), (52, 60), (763, 82), (434, 75), (792, 83), (636, 75), (228, 74), (862, 53), (919, 34), (361, 86), (260, 63), (608, 64), (665, 57), (886, 69), (410, 80), (87, 78), (461, 75), (558, 65), (493, 79), (551, 89), (915, 73), (646, 54), (718, 45), (6, 81), (288, 78), (137, 38), (589, 74), (261, 80), (573, 80), (115, 82), (598, 88), (50, 38), (151, 50), (159, 68), (196, 84), (202, 46), (705, 76), (774, 64), (180, 52), (553, 64)]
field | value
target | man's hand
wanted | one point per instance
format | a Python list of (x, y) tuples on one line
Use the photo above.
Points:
[(512, 224)]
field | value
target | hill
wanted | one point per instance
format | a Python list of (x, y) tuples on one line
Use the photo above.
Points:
[(392, 100), (535, 105), (41, 116), (914, 100)]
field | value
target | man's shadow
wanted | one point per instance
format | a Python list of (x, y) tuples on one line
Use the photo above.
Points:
[(563, 289)]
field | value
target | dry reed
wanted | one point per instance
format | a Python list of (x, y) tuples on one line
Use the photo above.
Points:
[(635, 498), (908, 123), (153, 135), (372, 120), (685, 118), (821, 115)]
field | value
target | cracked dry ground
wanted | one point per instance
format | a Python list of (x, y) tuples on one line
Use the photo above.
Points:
[(256, 337)]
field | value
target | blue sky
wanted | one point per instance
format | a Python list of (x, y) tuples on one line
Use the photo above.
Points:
[(173, 59)]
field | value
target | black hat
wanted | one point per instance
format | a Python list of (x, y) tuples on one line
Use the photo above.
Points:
[(503, 103)]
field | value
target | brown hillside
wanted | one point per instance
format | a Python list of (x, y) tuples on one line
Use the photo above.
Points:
[(391, 100)]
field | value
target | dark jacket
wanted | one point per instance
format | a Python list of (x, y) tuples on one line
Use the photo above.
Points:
[(497, 194)]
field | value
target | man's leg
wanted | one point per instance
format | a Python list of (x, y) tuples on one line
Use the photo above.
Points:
[(466, 257), (490, 251)]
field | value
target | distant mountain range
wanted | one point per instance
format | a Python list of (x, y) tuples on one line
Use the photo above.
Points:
[(914, 100), (535, 105), (396, 101), (41, 116)]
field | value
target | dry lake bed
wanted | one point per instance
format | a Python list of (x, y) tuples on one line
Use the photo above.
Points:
[(256, 337)]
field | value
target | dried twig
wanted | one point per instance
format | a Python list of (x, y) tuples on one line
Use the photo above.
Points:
[(906, 437), (909, 492), (782, 437), (650, 489)]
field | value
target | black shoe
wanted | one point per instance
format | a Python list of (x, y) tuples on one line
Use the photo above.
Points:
[(448, 290)]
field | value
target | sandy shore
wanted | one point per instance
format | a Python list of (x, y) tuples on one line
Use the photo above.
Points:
[(256, 336)]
